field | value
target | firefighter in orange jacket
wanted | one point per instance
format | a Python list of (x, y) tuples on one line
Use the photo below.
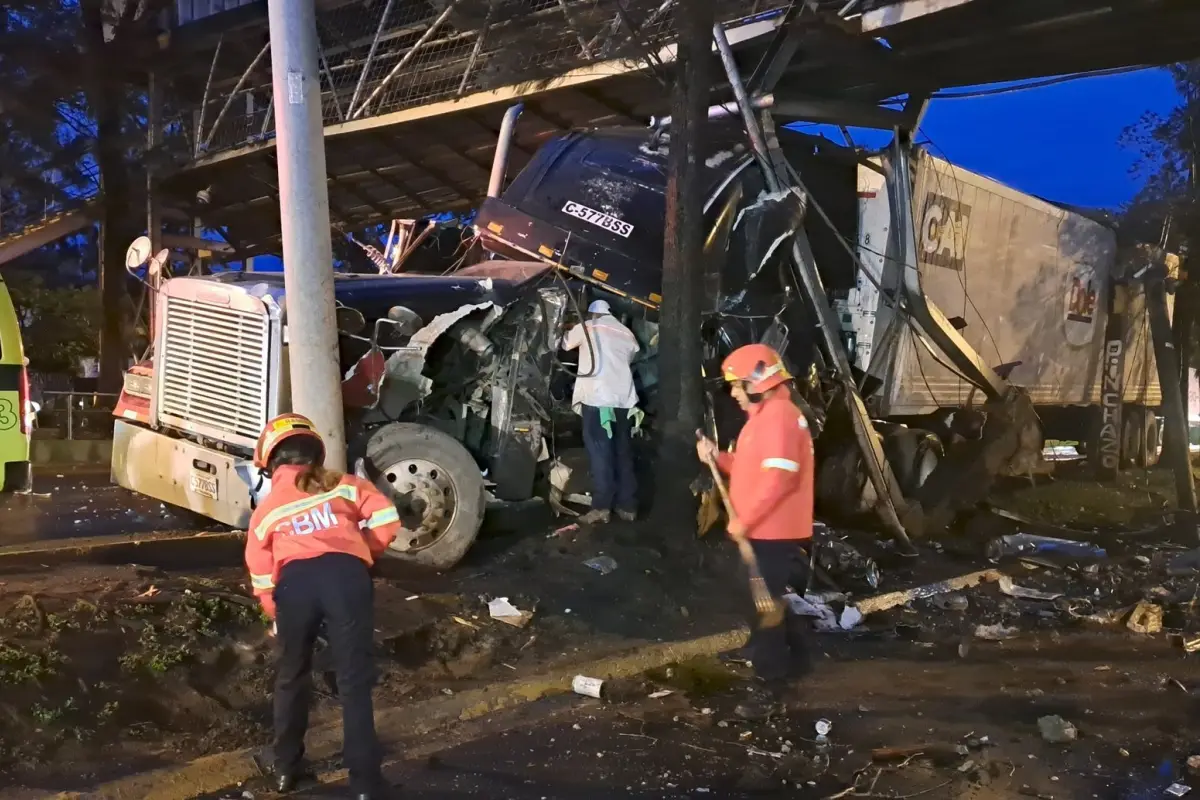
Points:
[(771, 489), (309, 548)]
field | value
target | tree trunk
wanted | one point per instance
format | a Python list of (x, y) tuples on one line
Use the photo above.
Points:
[(1183, 321), (680, 385), (116, 230)]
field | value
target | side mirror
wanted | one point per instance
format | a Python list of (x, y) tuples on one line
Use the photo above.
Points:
[(403, 320), (350, 321), (138, 253), (407, 321), (155, 268)]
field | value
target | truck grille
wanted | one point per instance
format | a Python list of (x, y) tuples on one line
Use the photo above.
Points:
[(214, 367)]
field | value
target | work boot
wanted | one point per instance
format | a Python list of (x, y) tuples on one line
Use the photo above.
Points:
[(285, 781), (760, 704), (595, 517), (627, 516)]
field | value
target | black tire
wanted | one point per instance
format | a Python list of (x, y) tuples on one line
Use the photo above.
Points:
[(1149, 445), (1133, 432), (450, 466), (913, 454), (841, 482)]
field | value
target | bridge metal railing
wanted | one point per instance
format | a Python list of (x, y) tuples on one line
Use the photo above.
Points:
[(76, 415), (383, 56)]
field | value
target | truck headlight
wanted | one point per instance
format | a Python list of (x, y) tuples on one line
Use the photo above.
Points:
[(138, 385)]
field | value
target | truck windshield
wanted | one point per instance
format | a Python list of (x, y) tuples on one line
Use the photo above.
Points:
[(642, 171)]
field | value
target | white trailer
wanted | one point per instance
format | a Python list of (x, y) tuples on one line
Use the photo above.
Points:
[(1026, 282)]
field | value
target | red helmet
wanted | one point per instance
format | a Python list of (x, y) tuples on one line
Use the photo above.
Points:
[(756, 365), (283, 427)]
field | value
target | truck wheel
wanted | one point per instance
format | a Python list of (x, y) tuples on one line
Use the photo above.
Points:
[(436, 486), (841, 482), (1133, 432), (913, 455), (1150, 440)]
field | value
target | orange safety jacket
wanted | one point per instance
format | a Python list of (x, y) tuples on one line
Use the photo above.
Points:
[(771, 471), (353, 518)]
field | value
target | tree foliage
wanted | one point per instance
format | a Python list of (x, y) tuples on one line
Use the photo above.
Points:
[(58, 324), (1168, 149)]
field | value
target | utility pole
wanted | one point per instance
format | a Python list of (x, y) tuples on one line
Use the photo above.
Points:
[(153, 215), (1168, 377), (304, 215), (680, 385)]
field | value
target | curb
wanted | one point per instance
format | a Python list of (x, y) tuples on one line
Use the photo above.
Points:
[(221, 771), (162, 548)]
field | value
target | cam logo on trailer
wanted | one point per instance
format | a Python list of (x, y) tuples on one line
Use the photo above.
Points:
[(943, 233)]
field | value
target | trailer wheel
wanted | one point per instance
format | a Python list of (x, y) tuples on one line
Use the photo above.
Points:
[(437, 488), (1133, 434), (1150, 440), (913, 455)]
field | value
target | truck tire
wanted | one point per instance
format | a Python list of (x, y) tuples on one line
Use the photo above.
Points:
[(841, 482), (437, 487), (913, 455), (1133, 433), (1150, 440)]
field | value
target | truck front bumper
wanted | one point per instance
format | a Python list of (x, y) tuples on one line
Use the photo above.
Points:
[(215, 484)]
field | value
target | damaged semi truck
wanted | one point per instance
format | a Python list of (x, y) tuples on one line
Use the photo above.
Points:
[(449, 380)]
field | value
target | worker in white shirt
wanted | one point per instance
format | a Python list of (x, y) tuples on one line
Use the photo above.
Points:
[(607, 401)]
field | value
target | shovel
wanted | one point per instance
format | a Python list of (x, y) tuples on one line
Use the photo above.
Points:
[(770, 610)]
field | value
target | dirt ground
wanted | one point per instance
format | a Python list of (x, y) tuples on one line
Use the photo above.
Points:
[(106, 670)]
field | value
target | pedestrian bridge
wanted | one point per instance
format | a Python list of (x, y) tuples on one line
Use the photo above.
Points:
[(413, 91)]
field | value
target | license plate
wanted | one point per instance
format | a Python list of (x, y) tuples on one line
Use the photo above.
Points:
[(598, 218), (203, 484)]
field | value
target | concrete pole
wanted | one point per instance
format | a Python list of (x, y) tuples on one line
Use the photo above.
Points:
[(304, 211)]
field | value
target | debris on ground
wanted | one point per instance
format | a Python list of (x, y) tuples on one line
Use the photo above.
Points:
[(1146, 618), (500, 609), (1027, 544), (995, 633), (1056, 730), (602, 564), (883, 602), (1012, 590)]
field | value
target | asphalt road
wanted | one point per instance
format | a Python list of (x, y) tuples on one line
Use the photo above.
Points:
[(69, 503)]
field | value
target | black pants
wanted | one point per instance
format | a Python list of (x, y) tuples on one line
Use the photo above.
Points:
[(336, 589), (781, 652), (614, 484)]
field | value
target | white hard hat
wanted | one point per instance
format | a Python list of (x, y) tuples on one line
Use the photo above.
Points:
[(599, 307)]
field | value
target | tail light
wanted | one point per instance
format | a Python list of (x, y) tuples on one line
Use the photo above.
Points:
[(23, 400)]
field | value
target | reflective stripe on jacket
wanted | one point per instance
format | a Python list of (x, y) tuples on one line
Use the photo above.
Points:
[(353, 518), (771, 471)]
